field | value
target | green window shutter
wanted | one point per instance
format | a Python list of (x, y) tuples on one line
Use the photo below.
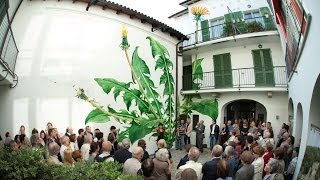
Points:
[(3, 10), (222, 70), (227, 18), (205, 30), (227, 70), (268, 67), (258, 70), (268, 22), (218, 75)]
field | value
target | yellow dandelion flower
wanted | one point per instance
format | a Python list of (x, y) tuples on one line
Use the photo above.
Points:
[(124, 31), (199, 11)]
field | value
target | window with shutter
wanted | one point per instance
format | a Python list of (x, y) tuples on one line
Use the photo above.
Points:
[(205, 30), (263, 67), (222, 70)]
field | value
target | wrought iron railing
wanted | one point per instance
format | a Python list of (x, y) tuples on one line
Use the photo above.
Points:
[(237, 78), (238, 26)]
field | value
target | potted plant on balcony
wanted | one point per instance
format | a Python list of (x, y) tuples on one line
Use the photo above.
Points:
[(254, 27), (228, 30)]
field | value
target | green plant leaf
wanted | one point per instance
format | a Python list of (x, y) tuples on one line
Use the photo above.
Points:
[(143, 74), (97, 116), (207, 107), (107, 84), (197, 73)]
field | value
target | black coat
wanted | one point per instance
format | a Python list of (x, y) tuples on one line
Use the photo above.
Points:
[(209, 169), (122, 155), (216, 131)]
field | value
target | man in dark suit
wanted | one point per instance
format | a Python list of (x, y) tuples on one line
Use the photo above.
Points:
[(209, 169), (200, 127), (214, 133), (123, 154)]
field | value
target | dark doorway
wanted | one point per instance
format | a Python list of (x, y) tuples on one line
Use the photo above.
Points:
[(246, 109), (187, 78)]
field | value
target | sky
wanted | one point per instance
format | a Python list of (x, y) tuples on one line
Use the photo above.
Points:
[(158, 9)]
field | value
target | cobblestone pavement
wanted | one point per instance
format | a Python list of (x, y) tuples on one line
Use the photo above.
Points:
[(178, 154)]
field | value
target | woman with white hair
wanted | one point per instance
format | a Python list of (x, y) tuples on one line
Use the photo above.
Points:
[(162, 165)]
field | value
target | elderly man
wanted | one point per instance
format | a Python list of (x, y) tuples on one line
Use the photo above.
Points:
[(85, 148), (69, 131), (209, 169), (54, 150), (193, 155), (247, 170), (132, 165), (123, 154), (106, 150), (200, 127)]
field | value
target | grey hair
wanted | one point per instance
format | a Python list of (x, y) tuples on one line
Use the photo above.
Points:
[(273, 163), (194, 154), (34, 139), (217, 150), (229, 151), (162, 154), (162, 143), (54, 149), (126, 143), (137, 152), (87, 138)]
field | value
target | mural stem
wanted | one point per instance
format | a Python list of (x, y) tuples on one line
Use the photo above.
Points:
[(96, 105), (140, 86)]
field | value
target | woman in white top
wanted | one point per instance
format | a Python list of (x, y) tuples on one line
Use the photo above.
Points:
[(65, 144), (258, 163)]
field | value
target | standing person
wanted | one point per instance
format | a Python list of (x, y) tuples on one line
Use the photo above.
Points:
[(181, 129), (214, 133), (209, 169), (223, 135), (114, 131), (160, 131), (200, 127), (193, 155), (80, 138), (247, 169), (188, 132), (258, 163)]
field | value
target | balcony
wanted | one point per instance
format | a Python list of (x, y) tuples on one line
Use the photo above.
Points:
[(247, 79), (237, 27)]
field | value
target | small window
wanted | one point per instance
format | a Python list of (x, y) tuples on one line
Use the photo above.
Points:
[(216, 27), (252, 14)]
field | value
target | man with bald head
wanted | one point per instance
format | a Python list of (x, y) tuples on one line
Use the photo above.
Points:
[(106, 150), (193, 156), (132, 165)]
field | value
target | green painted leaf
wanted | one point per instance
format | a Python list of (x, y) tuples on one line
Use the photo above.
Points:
[(97, 116), (197, 73), (138, 131), (143, 74), (107, 84), (207, 107), (157, 48)]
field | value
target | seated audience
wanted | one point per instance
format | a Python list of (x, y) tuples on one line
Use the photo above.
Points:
[(188, 174), (223, 170), (147, 167), (106, 153), (209, 169), (54, 150), (77, 155), (185, 158)]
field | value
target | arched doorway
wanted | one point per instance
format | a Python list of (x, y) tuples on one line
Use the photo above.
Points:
[(314, 133), (245, 108), (291, 115), (298, 122)]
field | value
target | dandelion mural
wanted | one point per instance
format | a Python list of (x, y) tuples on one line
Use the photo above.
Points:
[(198, 12), (142, 92)]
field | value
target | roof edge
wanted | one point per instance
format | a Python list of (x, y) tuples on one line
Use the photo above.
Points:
[(179, 13)]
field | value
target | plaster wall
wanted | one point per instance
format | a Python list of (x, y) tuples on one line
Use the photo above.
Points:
[(62, 47)]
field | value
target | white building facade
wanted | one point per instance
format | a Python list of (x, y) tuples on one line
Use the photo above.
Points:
[(242, 68), (63, 47)]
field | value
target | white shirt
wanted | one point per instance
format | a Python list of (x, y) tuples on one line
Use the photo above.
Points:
[(63, 147), (193, 165), (214, 126), (85, 150), (105, 154)]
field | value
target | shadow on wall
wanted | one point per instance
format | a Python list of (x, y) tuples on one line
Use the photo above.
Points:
[(310, 168)]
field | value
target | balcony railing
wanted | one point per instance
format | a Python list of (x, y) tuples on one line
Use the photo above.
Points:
[(237, 78), (238, 26)]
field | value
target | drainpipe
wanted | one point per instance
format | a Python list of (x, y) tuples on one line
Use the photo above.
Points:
[(178, 53)]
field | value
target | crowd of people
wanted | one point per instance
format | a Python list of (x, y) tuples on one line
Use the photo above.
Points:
[(240, 150)]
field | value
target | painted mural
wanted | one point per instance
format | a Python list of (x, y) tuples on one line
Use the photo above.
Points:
[(207, 107), (141, 93)]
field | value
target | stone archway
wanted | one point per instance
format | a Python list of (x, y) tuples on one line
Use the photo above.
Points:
[(291, 115), (314, 114), (298, 123)]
